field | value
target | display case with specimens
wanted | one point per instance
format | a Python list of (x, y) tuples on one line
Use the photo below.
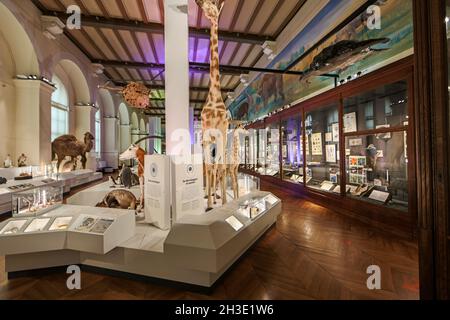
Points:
[(353, 145), (376, 143), (292, 149), (322, 147), (36, 201), (273, 150)]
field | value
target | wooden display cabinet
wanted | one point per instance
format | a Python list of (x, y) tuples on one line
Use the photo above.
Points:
[(357, 149)]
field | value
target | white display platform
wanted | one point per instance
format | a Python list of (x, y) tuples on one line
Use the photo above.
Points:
[(92, 196), (196, 251), (121, 229), (66, 180), (157, 191)]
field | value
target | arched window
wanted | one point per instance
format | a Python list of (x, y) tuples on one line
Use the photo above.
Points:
[(97, 132), (60, 109)]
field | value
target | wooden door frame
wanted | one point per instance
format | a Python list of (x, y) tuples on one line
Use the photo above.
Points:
[(431, 111)]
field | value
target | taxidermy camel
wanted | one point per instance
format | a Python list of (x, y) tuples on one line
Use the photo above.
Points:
[(214, 114), (69, 146)]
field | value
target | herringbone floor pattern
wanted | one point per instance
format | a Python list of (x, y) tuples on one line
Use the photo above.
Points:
[(312, 253)]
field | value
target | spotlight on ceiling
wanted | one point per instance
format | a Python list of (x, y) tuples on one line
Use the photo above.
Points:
[(244, 78), (269, 49)]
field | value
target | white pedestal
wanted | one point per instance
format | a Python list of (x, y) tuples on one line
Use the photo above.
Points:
[(157, 191)]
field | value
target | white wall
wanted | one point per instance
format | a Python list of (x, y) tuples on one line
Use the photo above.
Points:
[(7, 101), (25, 50)]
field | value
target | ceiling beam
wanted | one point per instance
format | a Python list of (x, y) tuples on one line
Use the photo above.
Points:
[(157, 28), (123, 82), (191, 101), (194, 66)]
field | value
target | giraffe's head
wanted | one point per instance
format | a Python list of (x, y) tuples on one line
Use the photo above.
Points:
[(211, 8)]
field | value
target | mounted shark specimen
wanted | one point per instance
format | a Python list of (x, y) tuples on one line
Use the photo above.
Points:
[(340, 56)]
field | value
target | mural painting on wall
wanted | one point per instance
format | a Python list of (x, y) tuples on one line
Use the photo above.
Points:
[(377, 47)]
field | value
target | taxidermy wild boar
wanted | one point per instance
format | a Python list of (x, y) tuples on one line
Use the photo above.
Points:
[(340, 56), (119, 199)]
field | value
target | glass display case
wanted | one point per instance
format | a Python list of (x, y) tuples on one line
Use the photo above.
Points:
[(251, 149), (273, 150), (322, 148), (292, 149), (262, 152), (377, 161), (36, 201)]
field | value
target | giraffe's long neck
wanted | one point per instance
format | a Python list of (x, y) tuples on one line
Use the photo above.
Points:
[(215, 93)]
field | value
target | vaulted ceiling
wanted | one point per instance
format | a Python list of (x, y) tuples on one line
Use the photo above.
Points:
[(127, 38)]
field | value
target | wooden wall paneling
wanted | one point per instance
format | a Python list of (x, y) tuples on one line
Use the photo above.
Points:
[(431, 103)]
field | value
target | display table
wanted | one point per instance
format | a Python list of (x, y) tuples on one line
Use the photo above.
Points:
[(196, 251), (66, 180), (95, 194)]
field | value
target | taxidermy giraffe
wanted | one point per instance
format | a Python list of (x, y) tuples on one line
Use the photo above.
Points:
[(235, 157), (214, 114)]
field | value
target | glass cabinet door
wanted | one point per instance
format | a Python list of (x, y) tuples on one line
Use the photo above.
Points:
[(292, 149), (273, 150), (262, 151), (376, 143), (322, 148)]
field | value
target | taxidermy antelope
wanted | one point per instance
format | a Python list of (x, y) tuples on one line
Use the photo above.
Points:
[(134, 152)]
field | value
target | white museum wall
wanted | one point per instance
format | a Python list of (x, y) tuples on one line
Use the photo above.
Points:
[(25, 50), (7, 101)]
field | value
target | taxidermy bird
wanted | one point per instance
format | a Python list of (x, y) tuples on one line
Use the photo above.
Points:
[(340, 56)]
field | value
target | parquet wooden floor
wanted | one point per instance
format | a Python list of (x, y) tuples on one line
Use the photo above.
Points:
[(312, 253)]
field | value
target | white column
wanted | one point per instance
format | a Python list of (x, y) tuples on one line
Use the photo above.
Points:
[(85, 122), (191, 124), (33, 121), (154, 130), (125, 137), (177, 71), (109, 149)]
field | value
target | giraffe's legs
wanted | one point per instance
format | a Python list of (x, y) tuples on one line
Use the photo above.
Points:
[(223, 183), (209, 185), (234, 181)]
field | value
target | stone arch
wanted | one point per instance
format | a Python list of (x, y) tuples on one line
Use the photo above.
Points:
[(142, 130), (107, 103), (125, 128), (78, 80), (24, 53), (124, 116), (18, 56)]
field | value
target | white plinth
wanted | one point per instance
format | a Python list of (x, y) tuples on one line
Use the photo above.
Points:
[(197, 251)]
